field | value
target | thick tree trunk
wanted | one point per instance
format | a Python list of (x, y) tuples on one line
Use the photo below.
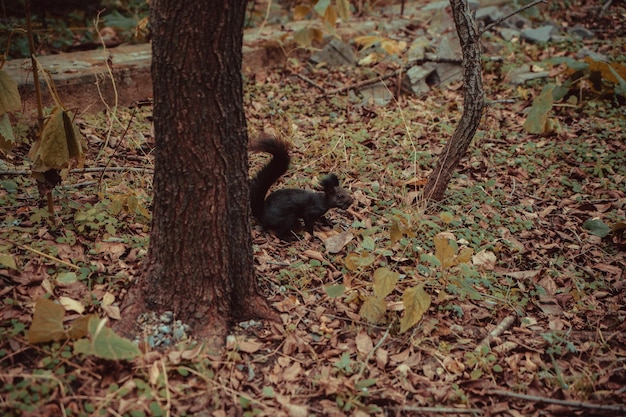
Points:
[(200, 261), (473, 102)]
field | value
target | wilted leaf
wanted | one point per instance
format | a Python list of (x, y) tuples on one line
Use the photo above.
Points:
[(445, 250), (384, 282), (335, 243), (485, 259), (343, 9), (60, 143), (373, 309), (80, 327), (330, 16), (354, 261), (72, 305), (9, 94), (465, 255), (416, 302), (7, 138), (301, 11), (597, 227), (367, 41), (47, 325), (364, 343), (7, 261), (538, 115), (104, 343), (305, 36)]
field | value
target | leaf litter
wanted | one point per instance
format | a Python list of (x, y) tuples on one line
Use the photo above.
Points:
[(507, 298)]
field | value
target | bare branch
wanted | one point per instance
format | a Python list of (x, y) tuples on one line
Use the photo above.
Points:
[(502, 19)]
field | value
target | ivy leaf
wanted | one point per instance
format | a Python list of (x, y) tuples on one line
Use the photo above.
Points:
[(416, 302), (47, 325), (104, 343), (597, 227), (335, 291)]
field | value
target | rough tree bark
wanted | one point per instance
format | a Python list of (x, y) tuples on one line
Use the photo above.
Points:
[(200, 261), (473, 102)]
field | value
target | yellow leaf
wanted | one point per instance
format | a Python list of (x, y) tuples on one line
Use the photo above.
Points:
[(354, 261), (47, 325), (373, 309), (444, 250), (300, 12), (7, 138), (8, 261), (9, 95), (384, 282), (343, 9), (330, 16), (72, 305), (79, 327), (416, 302), (465, 255), (367, 41), (60, 143)]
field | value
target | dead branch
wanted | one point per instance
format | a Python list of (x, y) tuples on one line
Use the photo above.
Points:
[(504, 325), (502, 19), (566, 403)]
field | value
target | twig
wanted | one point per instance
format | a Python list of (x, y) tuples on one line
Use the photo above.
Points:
[(497, 331), (573, 404), (45, 255), (605, 7), (440, 410), (502, 19), (310, 81), (393, 74), (371, 353), (83, 170)]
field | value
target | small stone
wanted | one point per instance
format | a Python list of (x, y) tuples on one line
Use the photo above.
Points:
[(581, 32), (540, 34)]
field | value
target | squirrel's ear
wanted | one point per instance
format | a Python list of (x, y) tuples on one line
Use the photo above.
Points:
[(330, 181)]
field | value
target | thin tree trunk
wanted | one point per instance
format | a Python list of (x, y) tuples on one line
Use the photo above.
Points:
[(473, 103), (200, 261)]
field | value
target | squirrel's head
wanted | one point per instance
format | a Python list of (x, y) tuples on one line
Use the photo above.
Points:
[(335, 195)]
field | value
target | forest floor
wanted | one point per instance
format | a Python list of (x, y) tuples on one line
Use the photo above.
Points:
[(505, 299)]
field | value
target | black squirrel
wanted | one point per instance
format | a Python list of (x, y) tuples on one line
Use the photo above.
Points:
[(281, 210)]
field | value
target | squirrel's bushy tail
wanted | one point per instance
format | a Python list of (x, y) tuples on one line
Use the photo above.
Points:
[(268, 175)]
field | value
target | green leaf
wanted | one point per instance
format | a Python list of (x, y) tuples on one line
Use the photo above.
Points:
[(365, 383), (373, 309), (368, 243), (343, 9), (416, 302), (321, 6), (104, 343), (597, 227), (67, 277), (384, 282), (47, 325), (335, 291)]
